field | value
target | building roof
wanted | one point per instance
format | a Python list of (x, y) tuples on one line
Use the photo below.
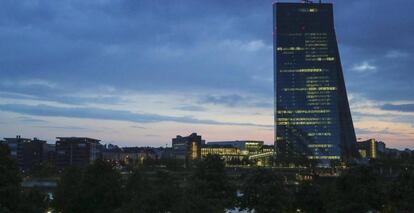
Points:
[(235, 142), (78, 138), (218, 146)]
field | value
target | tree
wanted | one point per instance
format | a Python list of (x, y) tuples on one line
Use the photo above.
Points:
[(9, 181), (136, 192), (264, 191), (97, 189), (166, 194), (66, 197), (100, 188), (209, 189), (402, 192), (44, 170), (308, 198), (12, 197), (160, 194), (33, 201), (358, 190)]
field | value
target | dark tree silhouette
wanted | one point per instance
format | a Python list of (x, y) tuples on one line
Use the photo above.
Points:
[(100, 188), (12, 197), (137, 190), (308, 198), (154, 194), (97, 189), (33, 201), (9, 181), (264, 191), (209, 189), (66, 197), (359, 190), (401, 196)]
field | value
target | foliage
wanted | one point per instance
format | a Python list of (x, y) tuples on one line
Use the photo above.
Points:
[(264, 191), (100, 188), (34, 201), (308, 198), (67, 192), (44, 170), (161, 194), (136, 192), (209, 189), (97, 189), (401, 196), (12, 197), (9, 181), (359, 190)]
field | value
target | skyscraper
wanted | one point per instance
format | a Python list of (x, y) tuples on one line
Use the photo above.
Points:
[(312, 115)]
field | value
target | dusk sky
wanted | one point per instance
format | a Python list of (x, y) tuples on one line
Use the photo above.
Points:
[(138, 73)]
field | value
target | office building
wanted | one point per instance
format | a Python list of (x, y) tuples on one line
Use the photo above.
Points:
[(187, 148), (371, 148), (228, 153), (28, 153), (245, 146), (241, 152), (312, 117), (77, 151)]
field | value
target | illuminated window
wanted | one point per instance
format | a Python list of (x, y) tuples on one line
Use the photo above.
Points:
[(194, 154)]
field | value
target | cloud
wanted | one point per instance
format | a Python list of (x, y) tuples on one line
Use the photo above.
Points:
[(249, 46), (31, 120), (64, 51), (38, 90), (368, 131), (108, 114), (192, 108), (394, 54), (394, 133), (138, 127), (364, 67), (181, 45), (235, 100), (398, 107), (28, 83), (63, 127), (228, 100)]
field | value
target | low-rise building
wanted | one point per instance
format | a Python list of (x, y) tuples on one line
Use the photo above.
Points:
[(240, 152), (163, 152), (127, 154), (229, 153), (245, 146)]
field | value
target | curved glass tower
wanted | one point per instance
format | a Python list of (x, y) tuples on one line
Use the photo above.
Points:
[(312, 115)]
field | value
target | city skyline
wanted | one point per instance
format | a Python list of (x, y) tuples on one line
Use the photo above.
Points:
[(132, 77)]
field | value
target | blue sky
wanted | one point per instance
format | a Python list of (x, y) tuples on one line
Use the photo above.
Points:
[(140, 72)]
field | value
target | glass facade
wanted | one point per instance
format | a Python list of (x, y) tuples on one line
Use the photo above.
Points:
[(238, 153), (312, 115)]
